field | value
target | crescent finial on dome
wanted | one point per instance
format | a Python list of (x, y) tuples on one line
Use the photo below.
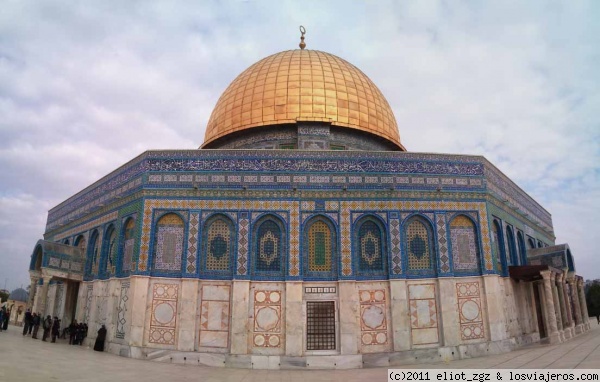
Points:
[(302, 43)]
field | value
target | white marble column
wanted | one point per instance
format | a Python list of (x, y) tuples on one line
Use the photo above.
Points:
[(43, 297), (548, 304), (566, 325), (32, 292), (585, 317), (559, 321)]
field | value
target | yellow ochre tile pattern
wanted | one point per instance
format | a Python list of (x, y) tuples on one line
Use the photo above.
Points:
[(302, 85)]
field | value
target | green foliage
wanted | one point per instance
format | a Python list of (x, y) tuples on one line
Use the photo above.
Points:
[(3, 296), (593, 299)]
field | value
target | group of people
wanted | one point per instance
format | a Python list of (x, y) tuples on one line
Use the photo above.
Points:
[(32, 321), (4, 317)]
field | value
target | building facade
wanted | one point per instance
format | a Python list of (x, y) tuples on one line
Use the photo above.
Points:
[(302, 234)]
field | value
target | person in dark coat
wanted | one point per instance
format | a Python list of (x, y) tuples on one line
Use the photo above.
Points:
[(72, 332), (6, 318), (99, 345), (55, 328), (37, 319), (2, 313), (27, 322), (46, 325), (79, 334)]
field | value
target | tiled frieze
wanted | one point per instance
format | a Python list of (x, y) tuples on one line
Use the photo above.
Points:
[(373, 317), (440, 226), (267, 319), (163, 322), (87, 226), (243, 244), (469, 309), (423, 314), (192, 250), (122, 310), (214, 316)]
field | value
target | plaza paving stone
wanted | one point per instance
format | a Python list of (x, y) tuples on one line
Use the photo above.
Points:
[(26, 359)]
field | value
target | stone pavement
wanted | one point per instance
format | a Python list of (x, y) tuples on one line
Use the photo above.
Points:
[(25, 359)]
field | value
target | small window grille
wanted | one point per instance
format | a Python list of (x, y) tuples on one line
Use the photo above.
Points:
[(320, 325)]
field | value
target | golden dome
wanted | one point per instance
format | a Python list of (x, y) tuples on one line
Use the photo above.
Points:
[(302, 85)]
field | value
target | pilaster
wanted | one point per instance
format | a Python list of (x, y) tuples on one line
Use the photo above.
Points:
[(549, 309)]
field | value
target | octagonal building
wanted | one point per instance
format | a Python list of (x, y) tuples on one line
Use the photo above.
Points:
[(302, 234)]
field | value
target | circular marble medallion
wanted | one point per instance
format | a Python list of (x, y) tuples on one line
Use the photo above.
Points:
[(260, 296), (365, 295), (259, 340), (274, 297), (379, 295), (164, 313), (470, 310), (381, 338), (367, 339), (473, 288), (273, 341), (167, 336), (462, 289), (267, 318), (160, 291), (373, 316)]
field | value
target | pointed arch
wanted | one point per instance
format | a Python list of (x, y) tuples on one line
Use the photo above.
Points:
[(418, 247), (168, 243), (218, 238), (531, 243), (109, 252), (499, 247), (128, 235), (464, 245), (269, 247), (522, 249), (319, 248), (93, 254), (370, 247), (513, 259)]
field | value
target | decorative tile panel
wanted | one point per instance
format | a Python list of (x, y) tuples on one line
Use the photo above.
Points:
[(440, 222), (395, 250), (242, 260), (163, 322), (469, 309)]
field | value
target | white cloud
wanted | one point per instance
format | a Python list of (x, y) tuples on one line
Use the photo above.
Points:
[(88, 86)]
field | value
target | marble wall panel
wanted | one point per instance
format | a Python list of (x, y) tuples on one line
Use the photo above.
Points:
[(423, 314), (267, 319), (122, 310), (469, 309), (373, 320), (163, 322), (214, 316)]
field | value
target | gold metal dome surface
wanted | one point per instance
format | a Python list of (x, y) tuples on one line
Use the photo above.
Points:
[(302, 85)]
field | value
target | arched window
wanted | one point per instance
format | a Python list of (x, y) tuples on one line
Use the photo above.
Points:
[(269, 247), (109, 250), (128, 242), (464, 245), (370, 248), (540, 245), (93, 254), (499, 247), (219, 239), (512, 249), (522, 250), (320, 243), (66, 242), (80, 243), (531, 243), (419, 249), (168, 243)]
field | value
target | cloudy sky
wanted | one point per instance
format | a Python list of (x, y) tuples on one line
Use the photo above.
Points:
[(87, 86)]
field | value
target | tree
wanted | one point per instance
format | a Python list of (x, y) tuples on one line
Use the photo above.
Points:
[(592, 298), (3, 296)]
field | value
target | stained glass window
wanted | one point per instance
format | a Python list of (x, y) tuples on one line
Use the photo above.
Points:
[(128, 245), (319, 247), (463, 240), (370, 247), (218, 246), (169, 243), (269, 247), (418, 247)]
